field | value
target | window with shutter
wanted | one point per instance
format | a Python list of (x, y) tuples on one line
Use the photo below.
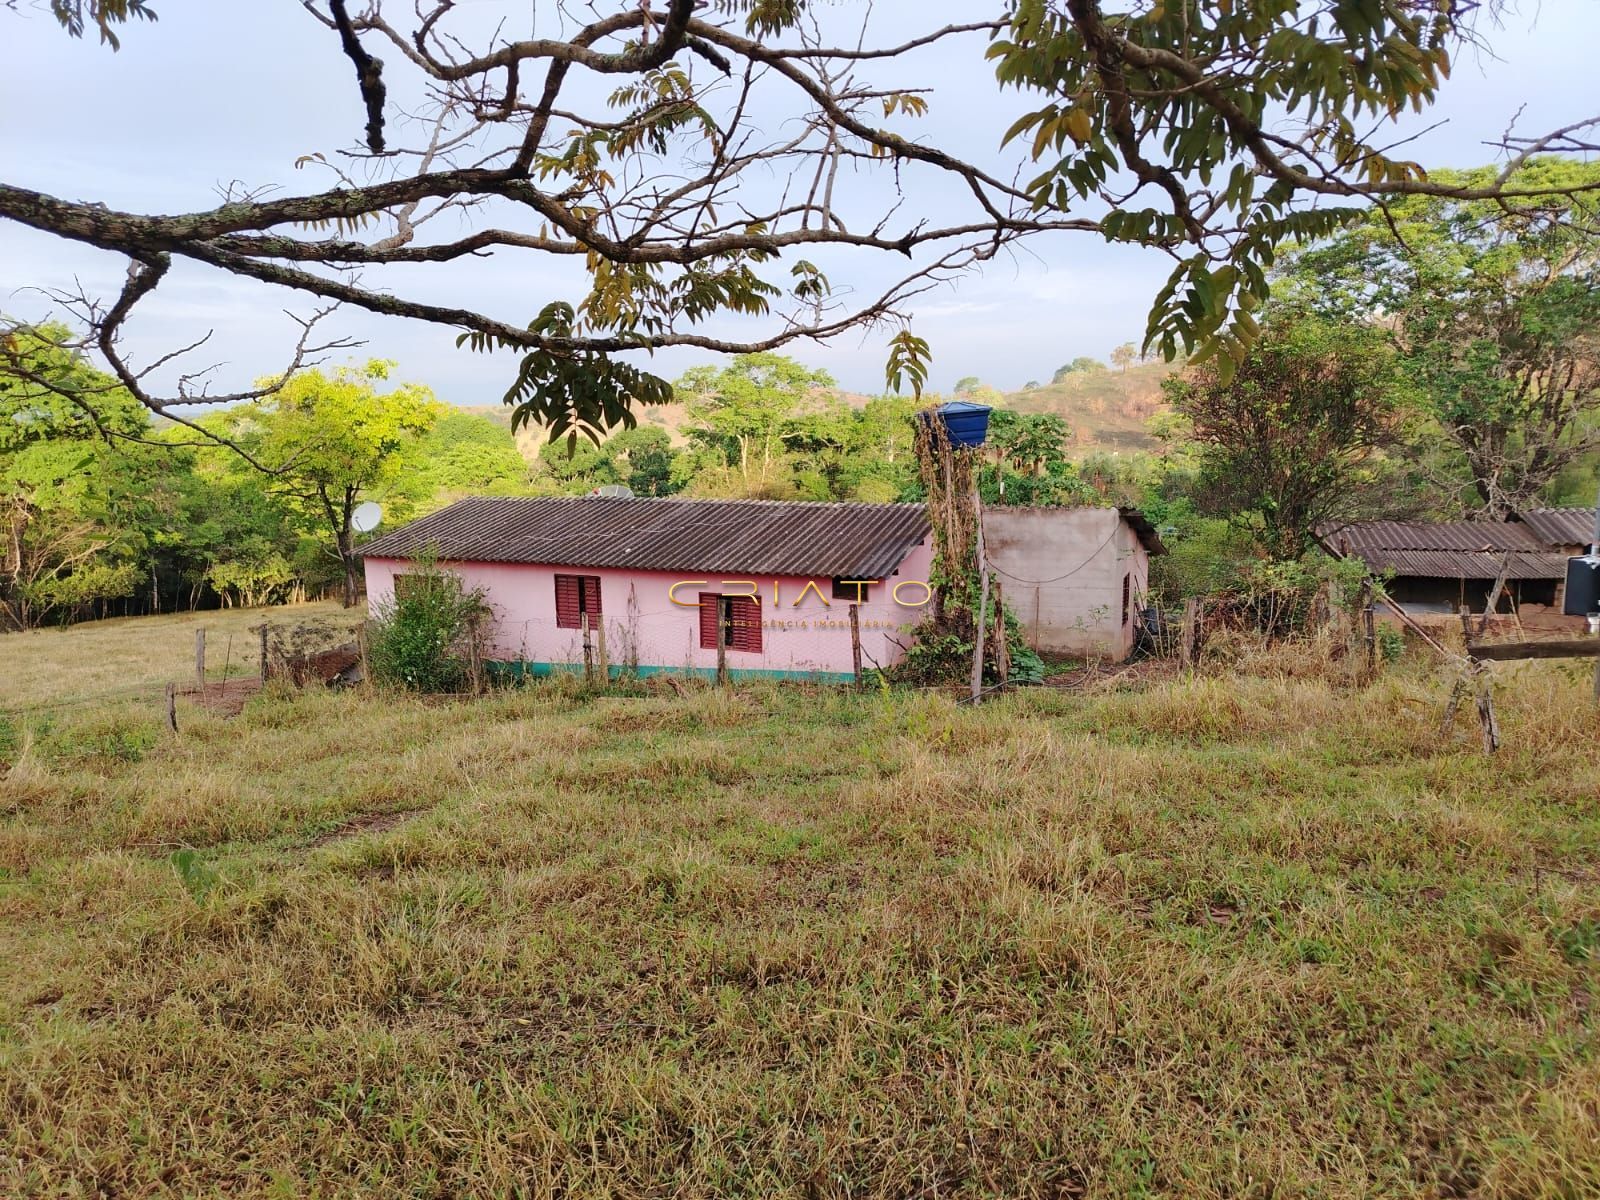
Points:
[(745, 619), (575, 596), (740, 617), (711, 608)]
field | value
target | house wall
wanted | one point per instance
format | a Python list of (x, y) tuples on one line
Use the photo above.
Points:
[(1061, 573), (644, 627)]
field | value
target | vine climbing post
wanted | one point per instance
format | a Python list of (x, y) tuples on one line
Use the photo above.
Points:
[(983, 593), (954, 642)]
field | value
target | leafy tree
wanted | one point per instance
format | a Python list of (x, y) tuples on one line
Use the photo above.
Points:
[(1124, 355), (241, 535), (1031, 443), (1082, 365), (71, 537), (50, 391), (341, 441), (643, 460), (744, 412), (464, 454), (1211, 130), (1030, 464), (80, 516), (1496, 312), (1293, 439), (579, 467)]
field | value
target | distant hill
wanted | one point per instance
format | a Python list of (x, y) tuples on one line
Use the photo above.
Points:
[(672, 417), (1107, 410)]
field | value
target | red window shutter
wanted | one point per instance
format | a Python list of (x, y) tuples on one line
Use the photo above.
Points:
[(568, 601), (710, 615), (576, 595), (746, 624)]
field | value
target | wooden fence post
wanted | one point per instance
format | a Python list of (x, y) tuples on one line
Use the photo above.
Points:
[(361, 653), (474, 658), (1486, 718), (1369, 633), (981, 616), (1002, 656), (266, 666), (588, 649), (605, 658), (200, 659), (1482, 686), (1189, 637), (855, 640), (722, 645), (172, 707)]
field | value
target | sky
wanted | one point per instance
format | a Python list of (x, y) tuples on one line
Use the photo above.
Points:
[(229, 91)]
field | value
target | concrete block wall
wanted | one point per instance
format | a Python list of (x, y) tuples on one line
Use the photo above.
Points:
[(1062, 573)]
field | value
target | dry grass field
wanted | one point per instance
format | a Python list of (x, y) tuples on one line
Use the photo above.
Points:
[(1228, 936), (133, 657)]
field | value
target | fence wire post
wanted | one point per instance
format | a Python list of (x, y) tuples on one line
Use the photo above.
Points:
[(1002, 655), (1369, 632), (1190, 636), (855, 641)]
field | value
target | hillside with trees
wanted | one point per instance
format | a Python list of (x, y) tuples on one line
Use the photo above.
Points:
[(1105, 407)]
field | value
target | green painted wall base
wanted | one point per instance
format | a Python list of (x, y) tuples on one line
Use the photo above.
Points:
[(520, 670)]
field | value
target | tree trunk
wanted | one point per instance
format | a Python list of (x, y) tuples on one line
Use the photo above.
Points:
[(347, 558)]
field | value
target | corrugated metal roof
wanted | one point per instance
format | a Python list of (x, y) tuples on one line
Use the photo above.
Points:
[(1560, 526), (1464, 536), (1463, 564), (1448, 549), (762, 537)]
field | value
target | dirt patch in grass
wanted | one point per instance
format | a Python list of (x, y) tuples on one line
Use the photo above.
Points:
[(225, 697), (362, 826), (1133, 673)]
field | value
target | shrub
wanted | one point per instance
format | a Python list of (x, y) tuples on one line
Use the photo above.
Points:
[(1391, 642), (935, 658), (417, 639)]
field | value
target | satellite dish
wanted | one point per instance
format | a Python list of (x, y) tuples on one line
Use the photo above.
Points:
[(614, 490), (366, 517)]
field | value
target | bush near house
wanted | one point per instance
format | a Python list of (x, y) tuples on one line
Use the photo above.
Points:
[(416, 639)]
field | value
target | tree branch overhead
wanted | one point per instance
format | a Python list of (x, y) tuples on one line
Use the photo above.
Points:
[(1154, 127)]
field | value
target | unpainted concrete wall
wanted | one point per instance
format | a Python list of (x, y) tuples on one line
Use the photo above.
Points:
[(1061, 571)]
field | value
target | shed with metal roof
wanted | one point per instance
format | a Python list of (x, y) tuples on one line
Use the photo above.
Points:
[(1439, 566)]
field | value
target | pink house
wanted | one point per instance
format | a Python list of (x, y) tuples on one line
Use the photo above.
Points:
[(652, 579)]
